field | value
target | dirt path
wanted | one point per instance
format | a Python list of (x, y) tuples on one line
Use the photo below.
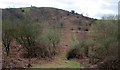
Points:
[(65, 44)]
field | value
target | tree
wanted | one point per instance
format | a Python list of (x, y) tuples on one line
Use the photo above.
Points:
[(104, 33), (7, 34), (72, 11), (51, 38), (26, 34)]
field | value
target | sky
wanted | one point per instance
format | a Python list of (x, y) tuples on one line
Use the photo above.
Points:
[(91, 8)]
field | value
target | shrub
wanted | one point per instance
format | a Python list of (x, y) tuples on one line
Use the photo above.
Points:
[(110, 64), (75, 52), (78, 50), (7, 34), (51, 38), (26, 34), (105, 37), (104, 33)]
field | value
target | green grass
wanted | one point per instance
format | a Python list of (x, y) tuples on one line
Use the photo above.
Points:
[(51, 69), (62, 64), (27, 9), (72, 64), (59, 62)]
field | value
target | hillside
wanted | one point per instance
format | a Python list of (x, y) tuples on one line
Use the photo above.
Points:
[(68, 23), (49, 14)]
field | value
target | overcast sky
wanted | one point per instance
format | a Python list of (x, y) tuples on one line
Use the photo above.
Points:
[(91, 8)]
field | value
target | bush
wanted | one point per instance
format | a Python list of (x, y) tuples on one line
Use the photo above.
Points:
[(110, 64), (8, 31), (104, 33), (36, 38), (79, 50), (26, 34), (51, 39), (105, 37), (74, 53)]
